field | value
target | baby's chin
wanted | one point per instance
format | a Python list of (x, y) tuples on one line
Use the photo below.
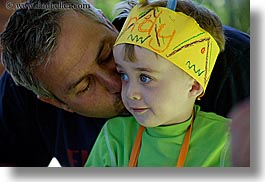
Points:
[(147, 123)]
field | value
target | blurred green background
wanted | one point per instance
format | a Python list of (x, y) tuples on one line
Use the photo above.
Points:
[(235, 13)]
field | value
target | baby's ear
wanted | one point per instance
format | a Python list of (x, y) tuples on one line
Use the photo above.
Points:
[(196, 89)]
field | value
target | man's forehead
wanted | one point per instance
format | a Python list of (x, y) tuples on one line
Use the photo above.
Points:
[(76, 37), (70, 47), (69, 15), (79, 44)]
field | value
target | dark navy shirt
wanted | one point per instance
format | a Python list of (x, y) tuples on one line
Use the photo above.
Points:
[(230, 80), (33, 132)]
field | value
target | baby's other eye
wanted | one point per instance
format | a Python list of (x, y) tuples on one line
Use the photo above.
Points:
[(124, 77), (145, 78)]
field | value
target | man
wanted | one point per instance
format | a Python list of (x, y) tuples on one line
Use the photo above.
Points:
[(72, 68), (6, 8), (100, 72)]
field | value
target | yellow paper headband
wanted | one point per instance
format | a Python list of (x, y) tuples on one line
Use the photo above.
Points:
[(174, 36)]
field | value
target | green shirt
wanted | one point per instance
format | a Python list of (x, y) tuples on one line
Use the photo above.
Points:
[(209, 143)]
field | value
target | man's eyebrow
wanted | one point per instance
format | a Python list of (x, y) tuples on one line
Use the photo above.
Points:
[(100, 48)]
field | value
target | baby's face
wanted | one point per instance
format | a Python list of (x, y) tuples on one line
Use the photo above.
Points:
[(154, 90)]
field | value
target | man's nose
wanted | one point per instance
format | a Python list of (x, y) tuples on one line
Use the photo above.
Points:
[(109, 79)]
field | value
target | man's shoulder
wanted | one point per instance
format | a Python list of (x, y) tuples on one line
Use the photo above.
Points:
[(230, 31), (236, 38), (8, 86), (14, 98)]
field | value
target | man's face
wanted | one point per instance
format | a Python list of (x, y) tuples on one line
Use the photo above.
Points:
[(81, 71)]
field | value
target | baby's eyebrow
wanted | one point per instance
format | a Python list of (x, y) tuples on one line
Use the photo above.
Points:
[(147, 70), (140, 69)]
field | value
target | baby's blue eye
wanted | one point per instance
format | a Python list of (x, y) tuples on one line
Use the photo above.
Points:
[(145, 79), (124, 77)]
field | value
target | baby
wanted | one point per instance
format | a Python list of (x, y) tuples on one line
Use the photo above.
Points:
[(165, 54)]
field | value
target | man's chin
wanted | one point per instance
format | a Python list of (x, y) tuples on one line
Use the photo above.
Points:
[(125, 113), (120, 108)]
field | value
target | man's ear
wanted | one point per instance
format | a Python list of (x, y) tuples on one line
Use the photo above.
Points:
[(196, 89), (55, 103)]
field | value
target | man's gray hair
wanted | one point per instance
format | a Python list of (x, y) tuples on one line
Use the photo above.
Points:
[(123, 8), (31, 34)]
